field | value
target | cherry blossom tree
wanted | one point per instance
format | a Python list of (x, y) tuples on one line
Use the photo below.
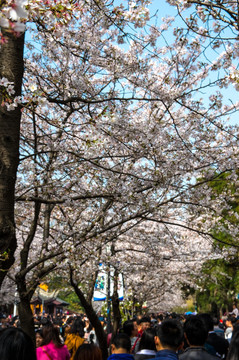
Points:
[(156, 259), (217, 21), (12, 22), (11, 73), (114, 132)]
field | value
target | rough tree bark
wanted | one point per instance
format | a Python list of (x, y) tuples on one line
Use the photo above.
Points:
[(11, 67), (92, 316), (24, 308), (39, 270), (25, 295)]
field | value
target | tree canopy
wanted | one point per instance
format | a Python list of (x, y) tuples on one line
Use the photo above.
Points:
[(116, 122)]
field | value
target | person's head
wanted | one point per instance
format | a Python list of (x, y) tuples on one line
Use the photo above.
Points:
[(88, 352), (16, 323), (121, 344), (147, 340), (70, 320), (86, 321), (208, 321), (130, 328), (39, 338), (45, 321), (135, 327), (51, 333), (89, 328), (102, 320), (78, 327), (231, 321), (144, 323), (160, 318), (16, 345), (3, 322), (57, 322), (169, 335), (195, 331)]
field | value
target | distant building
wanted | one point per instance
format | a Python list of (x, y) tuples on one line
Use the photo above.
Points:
[(47, 302)]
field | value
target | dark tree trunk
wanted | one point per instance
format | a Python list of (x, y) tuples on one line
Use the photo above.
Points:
[(39, 271), (26, 318), (115, 305), (92, 316), (24, 308), (25, 295), (11, 67)]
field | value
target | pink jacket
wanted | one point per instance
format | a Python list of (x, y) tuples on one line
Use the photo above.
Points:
[(54, 353)]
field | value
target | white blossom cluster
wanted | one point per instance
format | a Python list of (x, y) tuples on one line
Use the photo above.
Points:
[(13, 15), (234, 77), (138, 14), (8, 85)]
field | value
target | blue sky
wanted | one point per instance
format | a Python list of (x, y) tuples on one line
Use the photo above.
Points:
[(162, 9)]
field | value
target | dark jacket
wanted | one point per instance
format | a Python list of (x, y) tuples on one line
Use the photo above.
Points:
[(220, 344), (196, 353), (121, 357), (165, 355)]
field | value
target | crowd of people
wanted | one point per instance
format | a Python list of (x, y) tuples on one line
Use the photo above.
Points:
[(160, 337)]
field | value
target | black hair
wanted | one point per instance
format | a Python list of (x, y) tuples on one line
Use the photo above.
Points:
[(170, 334), (174, 315), (88, 352), (233, 351), (147, 340), (122, 341), (45, 321), (128, 327), (89, 328), (195, 331), (207, 320), (232, 319), (57, 322), (70, 320), (15, 344), (51, 333), (144, 320), (39, 331), (160, 317), (78, 327)]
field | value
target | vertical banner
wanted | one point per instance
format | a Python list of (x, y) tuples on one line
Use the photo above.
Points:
[(120, 287), (100, 291)]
